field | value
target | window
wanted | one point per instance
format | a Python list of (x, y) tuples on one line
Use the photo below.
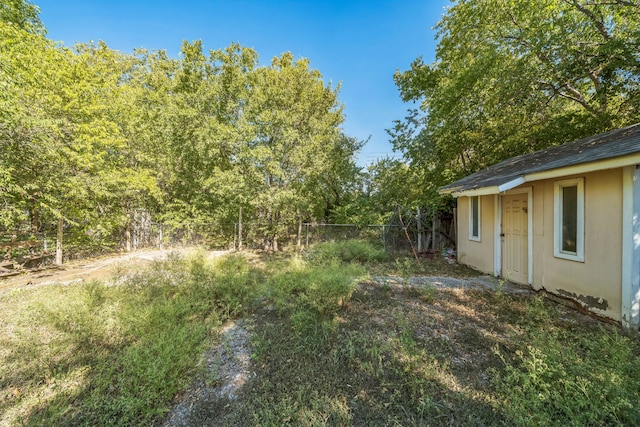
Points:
[(474, 218), (568, 232)]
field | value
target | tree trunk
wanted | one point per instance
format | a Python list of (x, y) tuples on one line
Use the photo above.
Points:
[(240, 229), (419, 218), (34, 215), (59, 241), (127, 237), (433, 233)]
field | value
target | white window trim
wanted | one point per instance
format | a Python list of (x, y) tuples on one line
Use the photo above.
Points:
[(477, 238), (557, 220)]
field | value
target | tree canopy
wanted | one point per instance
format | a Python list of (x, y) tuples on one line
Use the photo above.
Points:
[(92, 135), (512, 77)]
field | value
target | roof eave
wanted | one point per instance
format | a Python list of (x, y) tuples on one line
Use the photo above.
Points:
[(484, 191), (612, 163)]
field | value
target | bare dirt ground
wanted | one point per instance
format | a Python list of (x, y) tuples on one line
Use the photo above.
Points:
[(90, 269)]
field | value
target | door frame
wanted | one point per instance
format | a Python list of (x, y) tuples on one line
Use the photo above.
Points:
[(497, 252)]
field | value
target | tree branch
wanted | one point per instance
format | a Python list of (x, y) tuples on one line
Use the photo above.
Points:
[(570, 94), (597, 21)]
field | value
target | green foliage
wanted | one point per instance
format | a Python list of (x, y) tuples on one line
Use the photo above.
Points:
[(65, 118), (533, 74), (319, 289), (359, 251), (116, 354), (100, 135), (119, 352), (570, 377), (23, 14)]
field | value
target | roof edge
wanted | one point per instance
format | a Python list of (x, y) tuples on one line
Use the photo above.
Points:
[(613, 163)]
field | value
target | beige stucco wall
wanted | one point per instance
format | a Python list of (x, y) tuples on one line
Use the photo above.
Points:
[(596, 282), (478, 255)]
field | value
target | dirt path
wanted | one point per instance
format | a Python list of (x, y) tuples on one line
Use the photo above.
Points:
[(441, 282), (87, 270), (226, 369)]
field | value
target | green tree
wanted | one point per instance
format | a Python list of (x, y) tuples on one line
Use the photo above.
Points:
[(29, 132), (91, 136), (340, 181), (515, 76), (23, 14), (194, 111), (66, 152), (296, 119)]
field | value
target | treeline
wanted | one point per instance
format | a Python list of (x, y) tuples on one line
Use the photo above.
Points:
[(89, 136)]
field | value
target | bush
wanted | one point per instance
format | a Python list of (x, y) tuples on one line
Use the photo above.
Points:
[(319, 288), (347, 251)]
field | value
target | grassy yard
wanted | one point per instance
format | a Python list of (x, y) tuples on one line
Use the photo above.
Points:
[(326, 349)]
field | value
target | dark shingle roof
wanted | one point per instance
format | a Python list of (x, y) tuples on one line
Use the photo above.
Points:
[(615, 143)]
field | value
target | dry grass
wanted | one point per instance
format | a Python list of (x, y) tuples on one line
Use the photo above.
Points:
[(323, 350)]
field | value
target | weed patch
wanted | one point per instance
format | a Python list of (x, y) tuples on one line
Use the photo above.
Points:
[(570, 375), (325, 350), (101, 354), (360, 251)]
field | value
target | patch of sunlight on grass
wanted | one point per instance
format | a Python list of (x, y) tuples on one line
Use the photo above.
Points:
[(59, 388), (325, 411)]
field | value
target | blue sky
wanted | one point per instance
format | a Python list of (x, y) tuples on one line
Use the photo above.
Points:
[(358, 43)]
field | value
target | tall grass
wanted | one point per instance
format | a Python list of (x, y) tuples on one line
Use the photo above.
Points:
[(104, 354), (573, 376), (117, 353), (325, 351), (359, 251)]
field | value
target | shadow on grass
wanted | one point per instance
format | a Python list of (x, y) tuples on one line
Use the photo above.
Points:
[(365, 367), (100, 354)]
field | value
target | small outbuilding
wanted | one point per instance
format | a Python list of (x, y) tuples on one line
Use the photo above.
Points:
[(565, 219)]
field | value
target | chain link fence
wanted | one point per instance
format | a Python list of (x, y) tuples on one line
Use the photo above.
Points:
[(26, 249)]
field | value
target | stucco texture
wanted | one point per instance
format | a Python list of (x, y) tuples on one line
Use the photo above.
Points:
[(476, 254), (595, 282)]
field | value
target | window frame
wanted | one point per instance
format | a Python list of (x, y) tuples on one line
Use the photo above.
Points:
[(473, 237), (558, 252)]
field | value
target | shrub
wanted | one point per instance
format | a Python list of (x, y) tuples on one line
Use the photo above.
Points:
[(347, 251), (320, 288)]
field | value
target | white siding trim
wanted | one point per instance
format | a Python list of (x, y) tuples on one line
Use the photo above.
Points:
[(530, 235), (497, 227), (630, 247), (477, 238), (511, 184), (484, 191)]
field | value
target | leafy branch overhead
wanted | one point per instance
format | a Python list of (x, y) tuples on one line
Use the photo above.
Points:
[(512, 77)]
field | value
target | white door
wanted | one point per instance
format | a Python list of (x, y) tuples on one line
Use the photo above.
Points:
[(515, 239)]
